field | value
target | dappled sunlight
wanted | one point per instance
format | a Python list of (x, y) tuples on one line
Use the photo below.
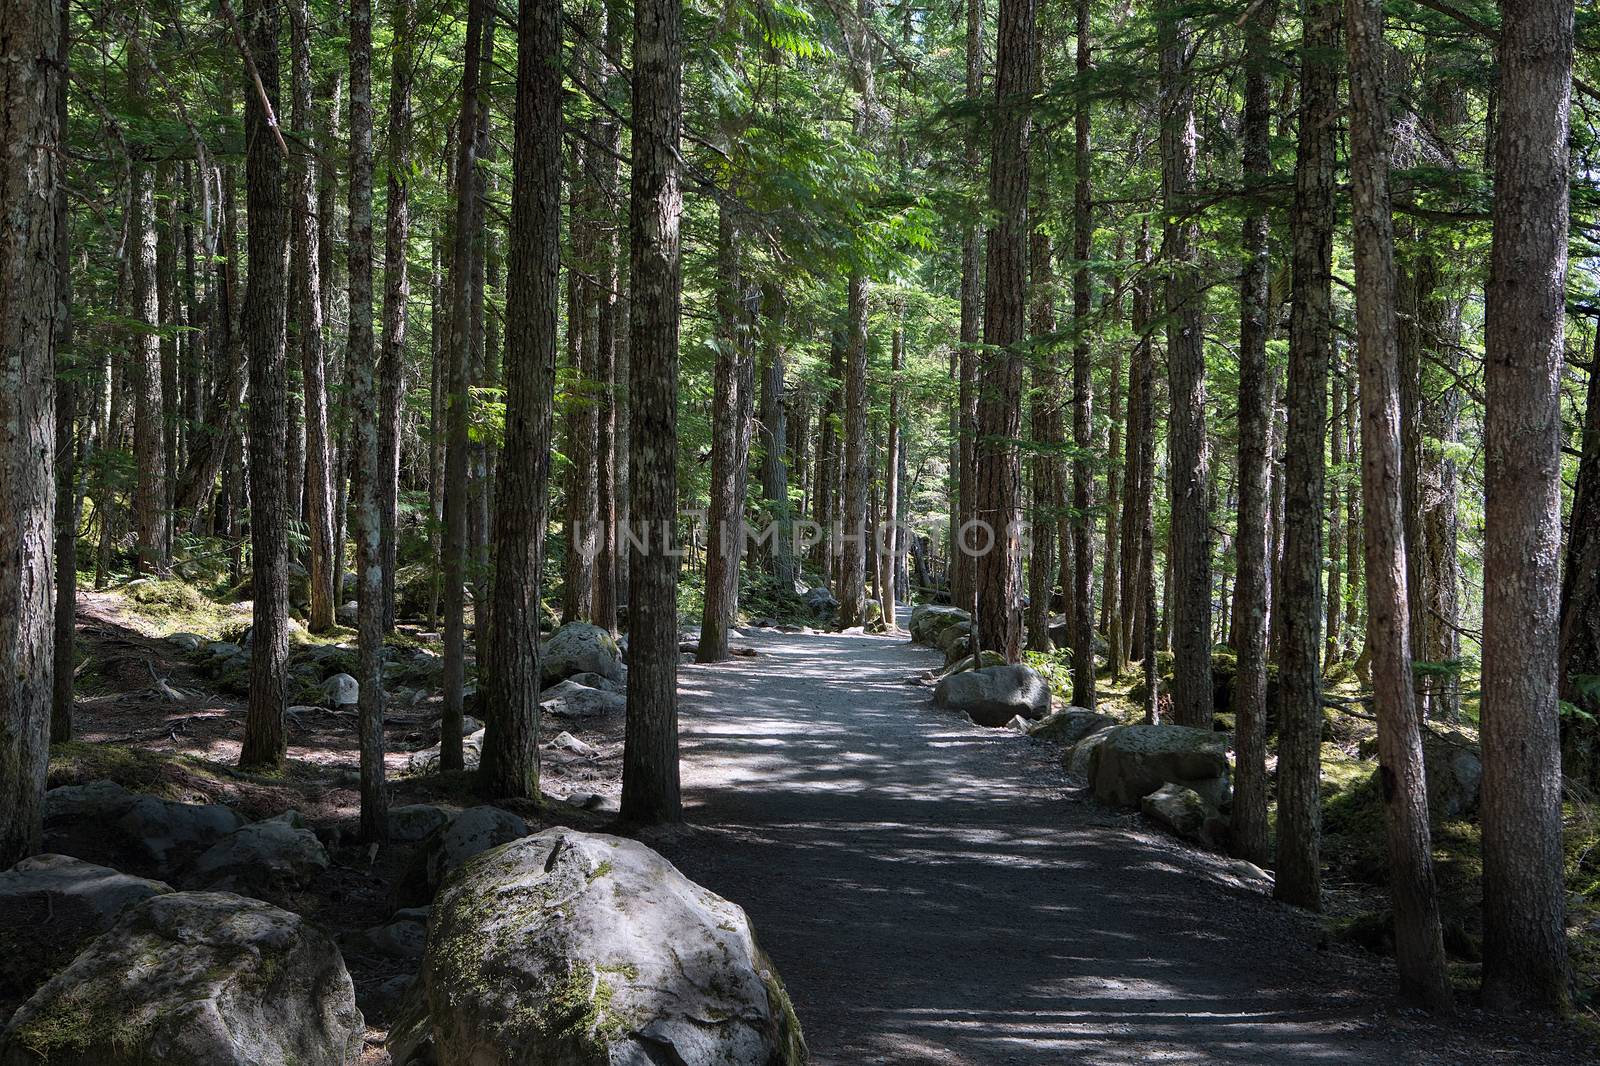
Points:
[(938, 892)]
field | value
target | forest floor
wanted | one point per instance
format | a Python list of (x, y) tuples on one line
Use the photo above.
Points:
[(931, 891)]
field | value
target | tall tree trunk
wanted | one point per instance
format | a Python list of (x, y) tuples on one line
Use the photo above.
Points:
[(1044, 424), (582, 501), (149, 445), (650, 791), (1438, 561), (31, 171), (318, 473), (265, 317), (1299, 872), (997, 487), (479, 364), (458, 400), (1111, 588), (510, 766), (726, 505), (1580, 596), (1255, 427), (887, 540), (1083, 694), (1340, 426), (370, 473), (963, 584), (775, 437), (853, 512), (1188, 461), (608, 249), (396, 294), (1419, 944), (1524, 903), (66, 403)]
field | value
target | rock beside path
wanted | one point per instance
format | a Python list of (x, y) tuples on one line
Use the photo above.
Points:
[(591, 950), (194, 979), (104, 823), (579, 647), (994, 695), (51, 907), (1136, 760)]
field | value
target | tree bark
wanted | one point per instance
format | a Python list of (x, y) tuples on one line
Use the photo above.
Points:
[(726, 505), (1249, 836), (997, 487), (370, 473), (31, 172), (265, 317), (458, 401), (963, 571), (1044, 424), (149, 444), (1299, 872), (396, 295), (1419, 944), (650, 789), (1580, 597), (510, 766), (1083, 688), (1188, 465), (322, 559), (1524, 902), (66, 402), (608, 248)]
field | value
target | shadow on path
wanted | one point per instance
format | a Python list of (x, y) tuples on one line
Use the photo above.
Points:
[(935, 892)]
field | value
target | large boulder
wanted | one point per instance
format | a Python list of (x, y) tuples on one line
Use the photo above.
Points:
[(1183, 811), (928, 619), (820, 602), (264, 859), (104, 823), (995, 695), (1136, 760), (571, 700), (599, 681), (1070, 725), (342, 690), (1079, 758), (194, 979), (51, 906), (415, 822), (426, 761), (591, 950), (1454, 771), (577, 648), (468, 834)]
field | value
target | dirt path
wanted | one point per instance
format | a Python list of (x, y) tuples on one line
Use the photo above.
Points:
[(938, 893)]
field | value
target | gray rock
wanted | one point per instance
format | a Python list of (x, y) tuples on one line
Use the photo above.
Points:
[(592, 950), (1183, 811), (426, 761), (1136, 760), (819, 601), (263, 859), (383, 1002), (104, 823), (578, 648), (601, 682), (1080, 757), (343, 690), (51, 906), (928, 620), (993, 695), (1070, 725), (952, 637), (1454, 773), (224, 649), (403, 939), (346, 614), (470, 833), (413, 823), (189, 642), (565, 741), (194, 979), (572, 700)]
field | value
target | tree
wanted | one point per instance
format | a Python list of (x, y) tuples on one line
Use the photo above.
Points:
[(963, 584), (67, 510), (30, 174), (510, 766), (265, 316), (457, 415), (369, 468), (650, 790), (1255, 414), (1524, 901), (1188, 466), (396, 292), (1299, 613), (149, 448), (322, 558), (1419, 943), (1082, 388), (1580, 597), (997, 487)]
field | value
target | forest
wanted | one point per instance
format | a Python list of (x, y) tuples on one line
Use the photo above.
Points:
[(459, 454)]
